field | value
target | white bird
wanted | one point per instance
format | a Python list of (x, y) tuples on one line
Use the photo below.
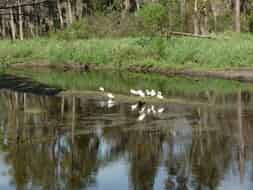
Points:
[(137, 92), (101, 89), (152, 93), (161, 110), (141, 117), (110, 95), (134, 92), (148, 93), (149, 110), (141, 93), (133, 107), (110, 103), (159, 95), (142, 109), (153, 109)]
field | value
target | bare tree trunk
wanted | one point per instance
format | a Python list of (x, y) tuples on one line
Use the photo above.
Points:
[(31, 27), (37, 21), (29, 20), (183, 14), (20, 20), (237, 16), (70, 17), (12, 24), (127, 7), (205, 32), (79, 9), (60, 14), (195, 18), (204, 18), (137, 4), (214, 11), (3, 25)]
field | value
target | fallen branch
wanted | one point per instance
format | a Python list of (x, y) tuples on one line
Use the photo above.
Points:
[(190, 35)]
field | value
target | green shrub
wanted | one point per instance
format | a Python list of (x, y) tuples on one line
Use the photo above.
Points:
[(153, 17), (101, 26), (78, 30), (251, 24)]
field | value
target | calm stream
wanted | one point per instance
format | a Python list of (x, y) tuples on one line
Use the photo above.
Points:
[(203, 140)]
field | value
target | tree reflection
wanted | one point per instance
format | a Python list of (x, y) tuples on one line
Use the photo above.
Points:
[(63, 142)]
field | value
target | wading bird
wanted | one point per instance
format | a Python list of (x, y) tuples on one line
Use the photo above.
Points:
[(148, 110), (139, 105), (134, 107), (101, 89), (110, 95), (141, 93), (142, 110), (160, 110), (148, 93), (137, 93), (153, 109), (134, 92), (152, 93), (110, 103), (159, 95), (141, 117)]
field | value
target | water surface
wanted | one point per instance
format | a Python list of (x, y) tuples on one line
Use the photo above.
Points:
[(50, 141)]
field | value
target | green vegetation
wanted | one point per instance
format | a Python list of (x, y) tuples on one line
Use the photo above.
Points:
[(154, 18), (119, 34), (121, 83), (101, 26), (251, 23), (227, 51), (127, 33)]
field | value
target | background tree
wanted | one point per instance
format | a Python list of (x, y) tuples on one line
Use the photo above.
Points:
[(237, 16)]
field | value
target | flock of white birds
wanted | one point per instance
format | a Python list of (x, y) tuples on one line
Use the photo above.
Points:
[(140, 106)]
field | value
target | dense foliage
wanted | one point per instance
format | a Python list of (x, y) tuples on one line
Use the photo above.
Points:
[(120, 18), (153, 17)]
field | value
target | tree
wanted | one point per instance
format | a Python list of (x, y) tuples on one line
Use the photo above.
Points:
[(237, 16), (154, 17)]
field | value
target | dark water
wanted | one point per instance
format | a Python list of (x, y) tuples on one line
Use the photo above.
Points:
[(56, 142)]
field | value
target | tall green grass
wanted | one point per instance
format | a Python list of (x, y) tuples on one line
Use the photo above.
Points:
[(227, 51)]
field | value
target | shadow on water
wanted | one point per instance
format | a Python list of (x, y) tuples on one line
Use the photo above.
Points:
[(23, 84), (60, 142)]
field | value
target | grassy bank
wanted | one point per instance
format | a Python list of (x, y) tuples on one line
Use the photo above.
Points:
[(121, 83), (227, 51)]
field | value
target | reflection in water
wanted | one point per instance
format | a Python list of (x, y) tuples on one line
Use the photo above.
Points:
[(73, 143)]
